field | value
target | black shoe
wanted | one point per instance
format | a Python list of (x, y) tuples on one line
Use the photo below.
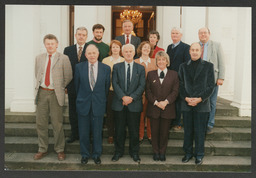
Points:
[(199, 161), (84, 160), (116, 157), (156, 157), (136, 158), (150, 141), (97, 160), (72, 139), (162, 158), (186, 159)]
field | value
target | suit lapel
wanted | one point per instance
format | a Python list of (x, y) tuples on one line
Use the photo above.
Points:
[(43, 62), (166, 78), (190, 70), (55, 60), (99, 74), (86, 74), (209, 50), (75, 53), (177, 51)]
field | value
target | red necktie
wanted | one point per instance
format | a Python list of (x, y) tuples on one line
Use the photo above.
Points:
[(127, 39), (47, 75), (202, 55)]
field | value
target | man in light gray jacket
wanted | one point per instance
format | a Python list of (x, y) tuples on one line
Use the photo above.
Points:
[(212, 52)]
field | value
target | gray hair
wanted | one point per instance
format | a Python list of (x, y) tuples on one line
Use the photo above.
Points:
[(177, 28), (194, 44), (127, 20), (82, 28), (127, 46), (163, 54)]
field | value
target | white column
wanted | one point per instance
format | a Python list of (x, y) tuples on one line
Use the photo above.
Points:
[(23, 31), (88, 16), (27, 25), (242, 92)]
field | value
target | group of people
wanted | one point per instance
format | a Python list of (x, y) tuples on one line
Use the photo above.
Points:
[(134, 84)]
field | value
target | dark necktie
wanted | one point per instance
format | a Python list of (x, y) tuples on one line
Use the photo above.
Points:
[(128, 77), (47, 75), (162, 75), (127, 39)]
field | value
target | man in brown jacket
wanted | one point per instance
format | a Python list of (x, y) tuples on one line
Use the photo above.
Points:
[(53, 73)]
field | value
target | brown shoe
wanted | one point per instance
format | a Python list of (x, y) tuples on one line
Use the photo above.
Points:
[(110, 140), (177, 128), (40, 155), (61, 156)]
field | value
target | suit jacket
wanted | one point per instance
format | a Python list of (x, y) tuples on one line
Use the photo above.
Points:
[(215, 55), (135, 90), (61, 74), (199, 85), (71, 52), (86, 98), (134, 40), (169, 90), (178, 57)]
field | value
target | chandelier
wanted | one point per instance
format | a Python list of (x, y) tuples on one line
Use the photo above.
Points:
[(132, 15)]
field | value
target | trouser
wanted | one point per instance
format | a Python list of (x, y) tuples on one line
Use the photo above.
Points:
[(110, 115), (144, 119), (213, 101), (48, 105), (194, 128), (177, 120), (94, 124), (160, 132), (73, 115), (133, 120)]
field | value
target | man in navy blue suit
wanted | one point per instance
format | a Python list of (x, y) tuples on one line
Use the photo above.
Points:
[(76, 55), (92, 82), (178, 53)]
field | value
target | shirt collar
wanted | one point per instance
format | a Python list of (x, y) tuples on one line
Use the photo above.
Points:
[(95, 64), (147, 61), (77, 46), (126, 63), (206, 44), (52, 55), (176, 44), (159, 71)]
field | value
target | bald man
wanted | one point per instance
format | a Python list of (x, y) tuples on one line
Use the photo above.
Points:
[(92, 82), (196, 86)]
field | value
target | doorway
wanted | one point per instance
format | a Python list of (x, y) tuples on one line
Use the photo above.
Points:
[(142, 28)]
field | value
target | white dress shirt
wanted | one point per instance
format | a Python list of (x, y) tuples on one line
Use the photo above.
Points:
[(159, 71), (126, 68)]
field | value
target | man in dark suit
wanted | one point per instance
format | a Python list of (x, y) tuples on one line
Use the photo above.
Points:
[(128, 38), (76, 55), (92, 82), (128, 79), (196, 86), (178, 53)]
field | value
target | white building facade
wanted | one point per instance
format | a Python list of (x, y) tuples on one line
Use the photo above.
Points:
[(26, 25)]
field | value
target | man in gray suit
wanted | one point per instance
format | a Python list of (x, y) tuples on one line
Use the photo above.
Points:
[(128, 38), (53, 73), (128, 79), (212, 52)]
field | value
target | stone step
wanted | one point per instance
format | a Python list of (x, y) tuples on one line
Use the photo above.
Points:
[(220, 133), (220, 121), (24, 161), (214, 148)]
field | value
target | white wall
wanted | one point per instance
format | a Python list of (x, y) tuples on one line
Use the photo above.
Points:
[(26, 25), (88, 16)]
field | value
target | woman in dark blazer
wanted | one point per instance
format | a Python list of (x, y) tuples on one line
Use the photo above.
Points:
[(161, 91)]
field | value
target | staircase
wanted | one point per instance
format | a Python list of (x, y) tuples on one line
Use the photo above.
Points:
[(227, 149)]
